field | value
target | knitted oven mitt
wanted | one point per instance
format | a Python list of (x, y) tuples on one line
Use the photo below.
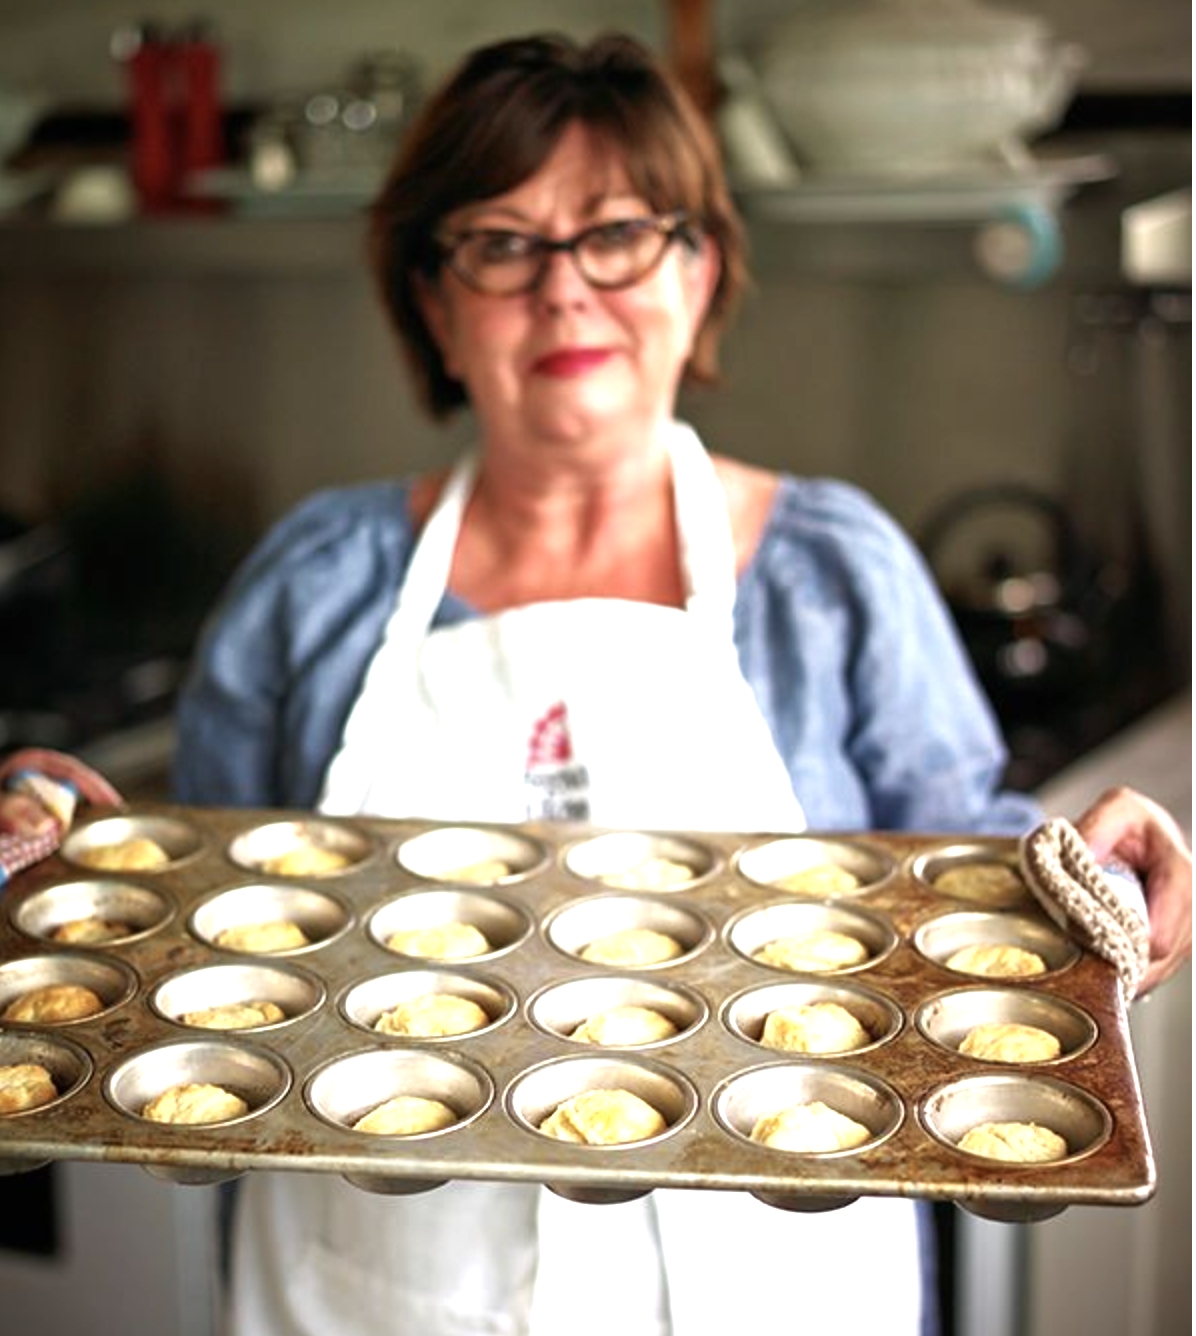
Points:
[(21, 851), (1102, 907)]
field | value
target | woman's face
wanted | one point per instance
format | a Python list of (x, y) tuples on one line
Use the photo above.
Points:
[(568, 361)]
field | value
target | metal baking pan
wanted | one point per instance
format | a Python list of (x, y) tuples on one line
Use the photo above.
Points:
[(541, 893)]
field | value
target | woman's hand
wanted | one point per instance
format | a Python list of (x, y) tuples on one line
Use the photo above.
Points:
[(22, 814), (1124, 824)]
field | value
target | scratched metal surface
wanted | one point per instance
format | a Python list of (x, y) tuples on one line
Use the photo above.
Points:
[(914, 1091)]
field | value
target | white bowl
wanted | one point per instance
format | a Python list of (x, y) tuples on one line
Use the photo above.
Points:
[(882, 87)]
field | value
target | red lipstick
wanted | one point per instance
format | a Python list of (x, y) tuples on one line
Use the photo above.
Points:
[(566, 362)]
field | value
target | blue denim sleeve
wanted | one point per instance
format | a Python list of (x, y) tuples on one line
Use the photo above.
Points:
[(282, 655), (858, 667)]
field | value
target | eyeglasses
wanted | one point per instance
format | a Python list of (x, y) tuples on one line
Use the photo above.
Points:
[(501, 263)]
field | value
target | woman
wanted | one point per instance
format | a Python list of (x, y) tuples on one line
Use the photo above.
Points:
[(708, 645), (589, 616)]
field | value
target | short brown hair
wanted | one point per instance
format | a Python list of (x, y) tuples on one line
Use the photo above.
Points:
[(495, 122)]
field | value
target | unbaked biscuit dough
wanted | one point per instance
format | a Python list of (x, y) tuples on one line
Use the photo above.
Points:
[(305, 860), (432, 1015), (90, 929), (262, 938), (810, 1128), (987, 883), (195, 1102), (815, 1027), (441, 941), (624, 1027), (478, 874), (25, 1085), (604, 1118), (633, 946), (823, 880), (652, 874), (405, 1116), (1005, 1041), (53, 1003), (996, 961), (133, 855), (1024, 1143), (819, 952), (235, 1015)]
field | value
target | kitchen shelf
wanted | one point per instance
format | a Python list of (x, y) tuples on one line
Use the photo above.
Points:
[(1012, 212), (977, 196), (865, 228)]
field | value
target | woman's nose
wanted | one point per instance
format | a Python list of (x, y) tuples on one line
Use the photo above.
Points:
[(562, 282)]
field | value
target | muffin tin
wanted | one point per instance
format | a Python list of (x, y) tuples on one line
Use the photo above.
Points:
[(556, 887)]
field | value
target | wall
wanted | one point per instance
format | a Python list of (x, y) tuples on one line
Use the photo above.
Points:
[(290, 375)]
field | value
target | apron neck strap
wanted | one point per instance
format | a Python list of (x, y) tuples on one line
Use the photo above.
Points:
[(703, 528), (432, 558)]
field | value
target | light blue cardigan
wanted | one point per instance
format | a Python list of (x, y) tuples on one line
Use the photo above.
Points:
[(839, 628)]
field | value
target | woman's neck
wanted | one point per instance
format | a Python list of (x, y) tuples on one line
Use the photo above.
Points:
[(569, 526), (576, 526)]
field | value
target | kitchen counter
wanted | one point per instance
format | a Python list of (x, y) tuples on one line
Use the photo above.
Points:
[(1154, 756)]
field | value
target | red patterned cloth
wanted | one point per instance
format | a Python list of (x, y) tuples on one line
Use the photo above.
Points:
[(18, 852)]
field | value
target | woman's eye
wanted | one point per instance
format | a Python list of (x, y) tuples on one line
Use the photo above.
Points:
[(620, 235), (503, 247)]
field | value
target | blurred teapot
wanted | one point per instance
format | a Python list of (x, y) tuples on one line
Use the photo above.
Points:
[(1036, 608), (883, 87)]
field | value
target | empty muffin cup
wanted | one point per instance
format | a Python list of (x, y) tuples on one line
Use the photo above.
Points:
[(501, 923), (100, 839), (234, 919), (941, 938), (254, 1075), (475, 855), (352, 1086), (106, 980), (819, 868), (562, 1008), (637, 861), (365, 1003), (880, 1018), (955, 1109), (93, 912), (949, 1018), (224, 987), (654, 931), (748, 1097), (802, 922), (308, 848), (975, 873)]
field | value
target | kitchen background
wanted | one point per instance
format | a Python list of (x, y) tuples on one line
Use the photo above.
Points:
[(997, 365)]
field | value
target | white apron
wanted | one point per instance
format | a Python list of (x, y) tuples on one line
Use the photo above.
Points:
[(626, 714)]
